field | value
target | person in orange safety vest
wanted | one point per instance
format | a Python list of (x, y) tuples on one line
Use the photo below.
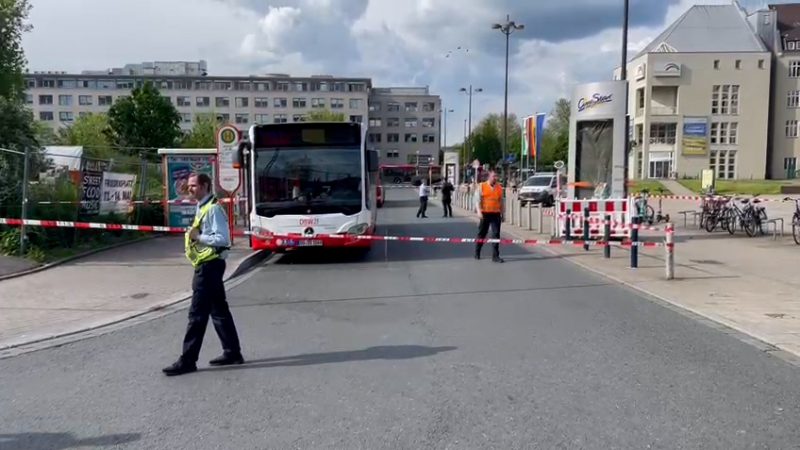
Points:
[(490, 208)]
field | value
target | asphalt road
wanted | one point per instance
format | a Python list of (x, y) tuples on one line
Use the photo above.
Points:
[(416, 346)]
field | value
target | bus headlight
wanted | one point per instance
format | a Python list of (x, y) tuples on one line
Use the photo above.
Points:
[(358, 229), (261, 233)]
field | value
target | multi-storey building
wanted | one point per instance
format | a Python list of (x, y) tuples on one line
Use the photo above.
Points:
[(58, 98), (404, 124), (779, 28), (699, 98)]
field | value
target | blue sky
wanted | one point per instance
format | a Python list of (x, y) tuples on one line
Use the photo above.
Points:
[(443, 44)]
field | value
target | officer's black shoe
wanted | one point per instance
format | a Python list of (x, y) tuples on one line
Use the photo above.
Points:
[(179, 368), (498, 259), (227, 360), (477, 256)]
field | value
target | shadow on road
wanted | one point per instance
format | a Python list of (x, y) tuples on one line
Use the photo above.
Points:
[(57, 441), (367, 354)]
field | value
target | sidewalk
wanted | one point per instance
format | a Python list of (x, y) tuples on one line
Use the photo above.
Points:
[(747, 284), (103, 288)]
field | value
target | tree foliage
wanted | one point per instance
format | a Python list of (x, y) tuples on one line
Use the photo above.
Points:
[(18, 133), (487, 139), (203, 134), (92, 132), (555, 142), (145, 119), (325, 115), (13, 24)]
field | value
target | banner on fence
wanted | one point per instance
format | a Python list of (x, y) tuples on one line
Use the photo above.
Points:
[(116, 192)]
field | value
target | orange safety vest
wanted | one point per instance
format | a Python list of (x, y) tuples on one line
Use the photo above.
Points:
[(491, 198)]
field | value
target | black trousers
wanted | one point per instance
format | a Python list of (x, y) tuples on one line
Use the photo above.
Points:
[(448, 207), (208, 299), (493, 220), (423, 206)]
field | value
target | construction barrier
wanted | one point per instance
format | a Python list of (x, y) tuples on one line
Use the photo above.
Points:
[(573, 215)]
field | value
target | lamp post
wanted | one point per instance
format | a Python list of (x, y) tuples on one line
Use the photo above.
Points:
[(624, 77), (506, 28), (468, 135), (444, 124)]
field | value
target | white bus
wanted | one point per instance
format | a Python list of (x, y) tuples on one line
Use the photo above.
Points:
[(308, 181)]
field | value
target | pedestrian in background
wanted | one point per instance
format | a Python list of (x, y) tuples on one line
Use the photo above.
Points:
[(424, 192), (447, 198), (206, 246), (489, 206)]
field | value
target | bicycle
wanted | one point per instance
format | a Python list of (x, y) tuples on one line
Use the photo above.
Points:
[(747, 217), (795, 219)]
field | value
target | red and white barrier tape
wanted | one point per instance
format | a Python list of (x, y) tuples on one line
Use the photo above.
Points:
[(90, 225), (138, 202), (701, 197)]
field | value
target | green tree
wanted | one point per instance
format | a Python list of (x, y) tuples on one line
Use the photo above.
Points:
[(92, 132), (203, 134), (18, 134), (555, 142), (325, 115), (13, 23), (45, 135), (145, 119), (485, 141)]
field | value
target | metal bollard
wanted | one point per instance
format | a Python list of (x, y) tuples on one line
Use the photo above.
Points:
[(635, 243), (586, 228), (519, 213), (530, 216), (669, 247), (607, 236), (541, 219)]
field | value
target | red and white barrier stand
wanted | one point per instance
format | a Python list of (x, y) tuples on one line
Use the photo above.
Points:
[(571, 211), (669, 248)]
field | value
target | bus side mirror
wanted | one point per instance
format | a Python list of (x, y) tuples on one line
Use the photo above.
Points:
[(238, 158), (372, 161)]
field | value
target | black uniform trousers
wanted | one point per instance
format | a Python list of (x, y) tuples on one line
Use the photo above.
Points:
[(493, 220), (208, 299), (447, 204), (423, 206)]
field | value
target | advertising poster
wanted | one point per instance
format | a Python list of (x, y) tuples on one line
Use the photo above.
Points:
[(178, 169), (116, 192), (91, 185), (695, 136)]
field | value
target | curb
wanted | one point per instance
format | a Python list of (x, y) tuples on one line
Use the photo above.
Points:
[(59, 262), (245, 265)]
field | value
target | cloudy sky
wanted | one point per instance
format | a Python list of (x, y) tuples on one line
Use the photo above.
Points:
[(443, 44)]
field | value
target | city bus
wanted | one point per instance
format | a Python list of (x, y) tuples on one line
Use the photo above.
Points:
[(308, 181)]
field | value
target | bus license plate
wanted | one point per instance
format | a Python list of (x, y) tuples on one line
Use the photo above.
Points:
[(309, 243)]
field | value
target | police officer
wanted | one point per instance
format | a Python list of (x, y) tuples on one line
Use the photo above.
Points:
[(206, 245), (490, 209)]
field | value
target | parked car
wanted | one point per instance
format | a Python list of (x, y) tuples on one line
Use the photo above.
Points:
[(541, 188)]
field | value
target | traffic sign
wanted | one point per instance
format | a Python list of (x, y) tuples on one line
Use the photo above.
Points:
[(227, 146)]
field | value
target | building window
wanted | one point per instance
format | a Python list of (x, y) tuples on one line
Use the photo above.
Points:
[(429, 138), (222, 102), (280, 102), (392, 122), (723, 163), (261, 118), (791, 128), (224, 117), (411, 106), (242, 102), (66, 116), (220, 85), (317, 102), (279, 118), (45, 99), (662, 133), (186, 117), (356, 103), (738, 64), (46, 115), (104, 100), (411, 122), (428, 106), (793, 99), (790, 164), (375, 138), (184, 101), (242, 118), (298, 102), (790, 45), (411, 137), (261, 102), (357, 119), (375, 122), (299, 118), (374, 106), (760, 63), (392, 137), (393, 107), (392, 154), (428, 122), (794, 69), (716, 64), (337, 103), (724, 133), (65, 100), (67, 84), (28, 99), (203, 102), (725, 99), (85, 100), (261, 86)]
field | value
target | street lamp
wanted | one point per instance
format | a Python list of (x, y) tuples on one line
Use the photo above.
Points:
[(469, 128), (444, 123), (506, 28)]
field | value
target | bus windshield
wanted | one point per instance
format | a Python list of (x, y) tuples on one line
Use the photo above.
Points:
[(308, 180)]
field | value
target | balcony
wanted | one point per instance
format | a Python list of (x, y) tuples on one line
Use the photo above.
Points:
[(661, 110)]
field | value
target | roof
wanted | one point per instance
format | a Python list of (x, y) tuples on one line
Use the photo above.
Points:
[(707, 29), (788, 20)]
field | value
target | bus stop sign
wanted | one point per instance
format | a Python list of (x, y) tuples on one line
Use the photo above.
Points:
[(227, 146)]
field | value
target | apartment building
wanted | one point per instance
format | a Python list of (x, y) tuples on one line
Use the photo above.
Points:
[(404, 124), (59, 98), (779, 27), (699, 98)]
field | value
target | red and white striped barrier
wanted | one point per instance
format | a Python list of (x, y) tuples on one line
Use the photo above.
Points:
[(704, 197), (90, 225), (136, 202)]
